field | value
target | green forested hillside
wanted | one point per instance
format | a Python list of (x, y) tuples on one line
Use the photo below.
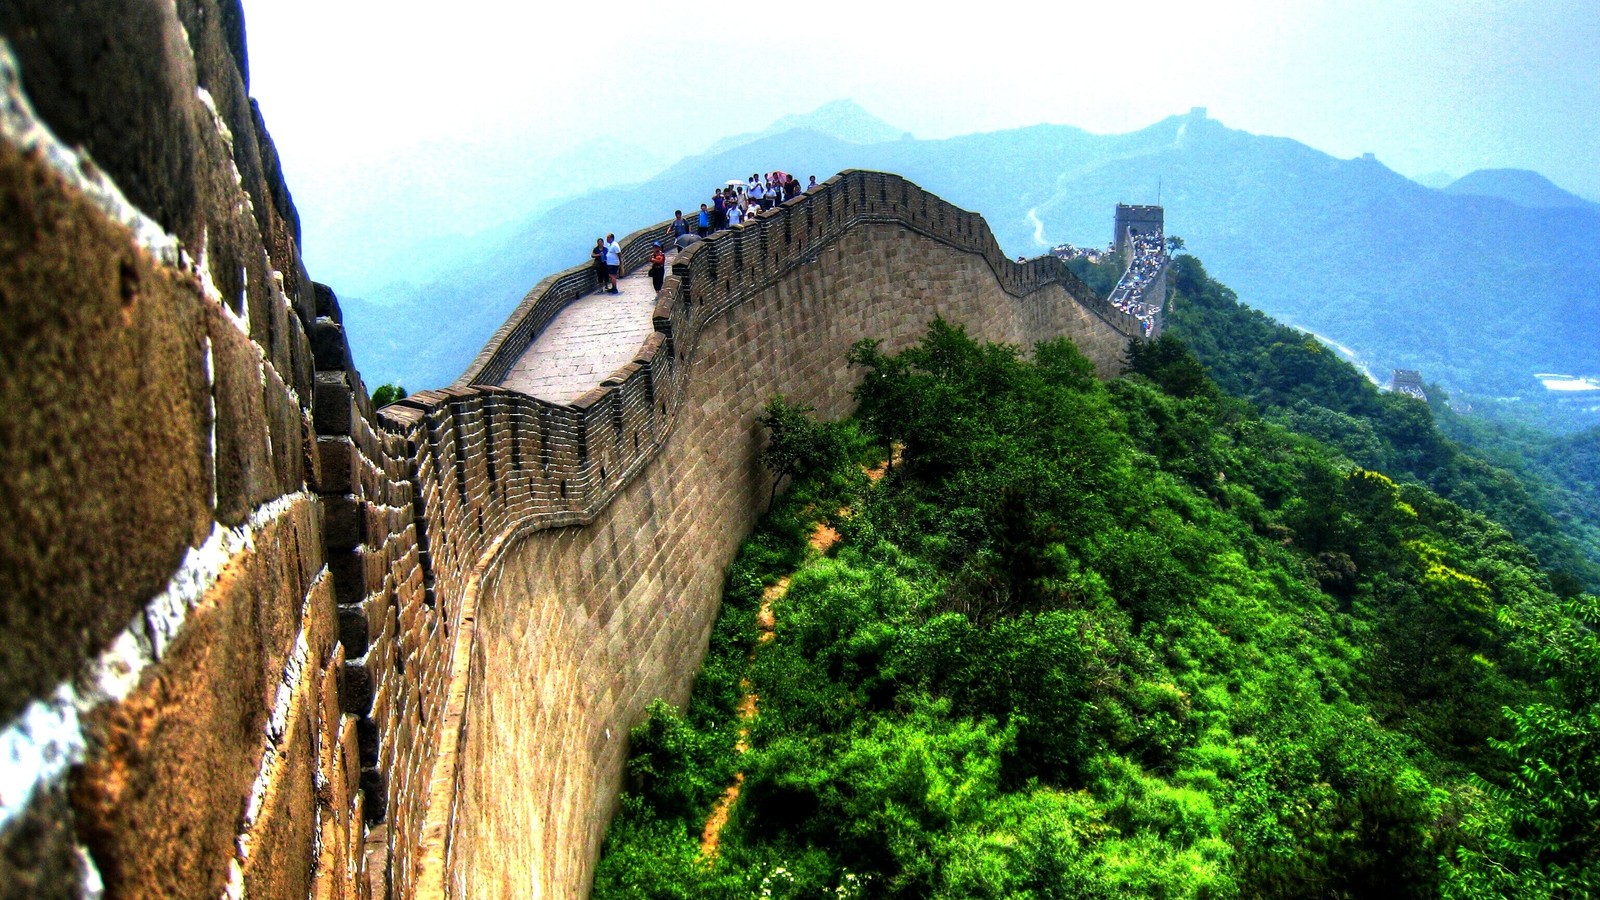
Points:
[(1118, 639), (1563, 470), (1302, 384)]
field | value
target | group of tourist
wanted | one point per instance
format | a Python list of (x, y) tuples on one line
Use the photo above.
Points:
[(1149, 255), (1070, 251), (736, 202), (607, 257), (729, 206)]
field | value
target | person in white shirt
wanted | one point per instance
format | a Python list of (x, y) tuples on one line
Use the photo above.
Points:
[(613, 261), (735, 215)]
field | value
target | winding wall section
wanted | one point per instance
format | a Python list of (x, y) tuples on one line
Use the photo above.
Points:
[(578, 629), (264, 640)]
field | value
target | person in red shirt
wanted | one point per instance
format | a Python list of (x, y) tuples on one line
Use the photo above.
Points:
[(658, 266)]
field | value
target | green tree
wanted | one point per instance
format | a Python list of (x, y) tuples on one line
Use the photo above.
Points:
[(1168, 362), (386, 394), (797, 445), (1542, 836), (1128, 639)]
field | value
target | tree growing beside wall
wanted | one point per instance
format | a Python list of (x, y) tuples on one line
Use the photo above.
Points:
[(798, 446)]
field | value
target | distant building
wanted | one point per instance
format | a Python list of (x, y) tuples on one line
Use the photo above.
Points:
[(1408, 382), (1142, 219)]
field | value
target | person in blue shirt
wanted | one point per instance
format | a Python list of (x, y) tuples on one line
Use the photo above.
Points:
[(598, 256)]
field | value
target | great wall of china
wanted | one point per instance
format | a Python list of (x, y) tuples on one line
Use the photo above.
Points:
[(262, 639)]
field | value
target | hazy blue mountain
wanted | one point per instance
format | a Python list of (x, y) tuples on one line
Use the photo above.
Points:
[(841, 119), (1519, 186), (1438, 179), (417, 219), (1476, 292)]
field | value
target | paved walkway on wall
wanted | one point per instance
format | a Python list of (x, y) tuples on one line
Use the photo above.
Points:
[(594, 336)]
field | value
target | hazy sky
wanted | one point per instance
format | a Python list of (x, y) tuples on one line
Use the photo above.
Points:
[(1426, 86)]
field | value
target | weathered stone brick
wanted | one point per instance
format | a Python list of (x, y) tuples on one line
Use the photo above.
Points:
[(105, 468), (344, 521), (338, 465)]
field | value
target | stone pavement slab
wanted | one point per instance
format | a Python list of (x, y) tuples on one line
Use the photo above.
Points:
[(593, 337)]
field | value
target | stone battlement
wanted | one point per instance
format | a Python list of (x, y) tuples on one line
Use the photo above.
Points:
[(1131, 219), (264, 639)]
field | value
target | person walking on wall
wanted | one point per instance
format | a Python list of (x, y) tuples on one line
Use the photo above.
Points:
[(658, 266), (598, 255), (613, 261), (679, 227), (705, 220)]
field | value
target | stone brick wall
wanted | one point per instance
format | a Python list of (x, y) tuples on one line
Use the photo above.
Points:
[(181, 488), (754, 252), (261, 639)]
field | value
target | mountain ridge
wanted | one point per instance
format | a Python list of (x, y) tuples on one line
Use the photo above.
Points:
[(843, 119), (1409, 276), (1520, 186)]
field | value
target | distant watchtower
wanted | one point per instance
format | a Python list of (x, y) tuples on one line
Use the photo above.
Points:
[(1408, 382), (1143, 219)]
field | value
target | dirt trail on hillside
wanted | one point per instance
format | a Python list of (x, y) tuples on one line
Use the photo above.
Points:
[(823, 538), (711, 836)]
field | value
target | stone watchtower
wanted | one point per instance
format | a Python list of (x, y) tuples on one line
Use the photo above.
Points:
[(1408, 382), (1143, 219)]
